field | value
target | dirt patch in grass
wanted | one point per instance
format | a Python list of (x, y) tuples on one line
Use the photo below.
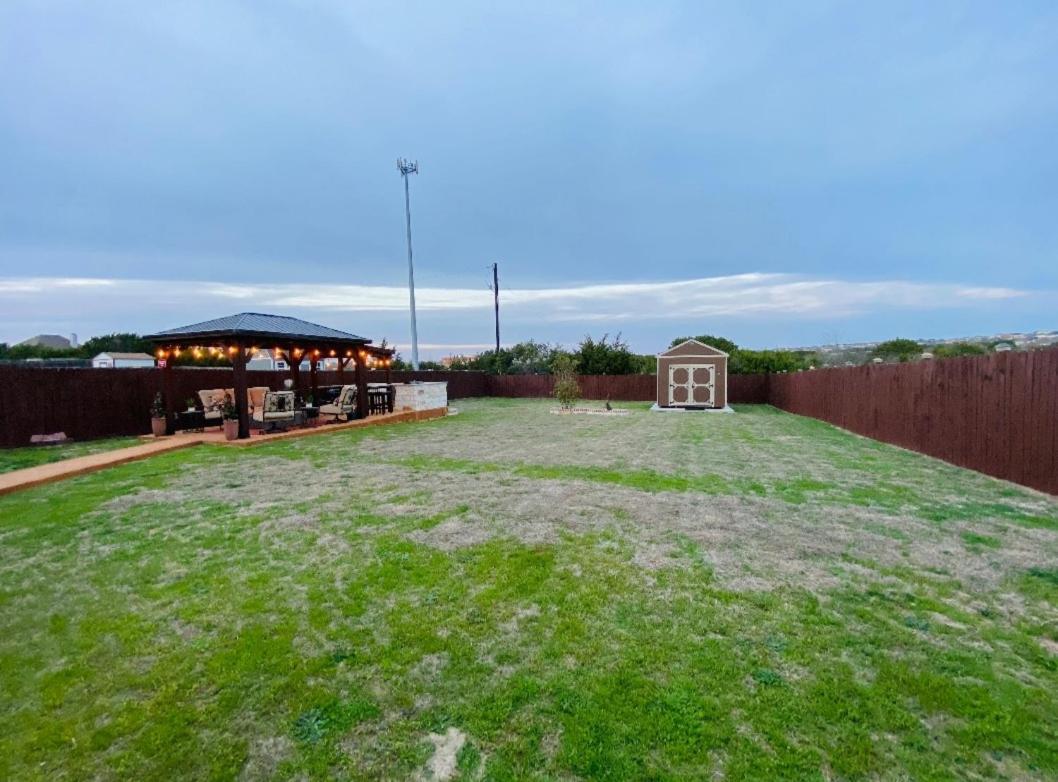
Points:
[(442, 765), (747, 541)]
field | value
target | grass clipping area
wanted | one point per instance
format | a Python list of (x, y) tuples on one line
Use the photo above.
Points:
[(507, 594)]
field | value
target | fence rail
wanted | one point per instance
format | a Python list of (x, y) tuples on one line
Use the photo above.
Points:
[(997, 414)]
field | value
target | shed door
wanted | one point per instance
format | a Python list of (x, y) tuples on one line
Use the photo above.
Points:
[(692, 384)]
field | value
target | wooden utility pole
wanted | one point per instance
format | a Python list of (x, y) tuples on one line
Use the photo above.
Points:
[(496, 301)]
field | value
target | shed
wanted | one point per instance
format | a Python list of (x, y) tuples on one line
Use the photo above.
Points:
[(692, 375), (122, 360)]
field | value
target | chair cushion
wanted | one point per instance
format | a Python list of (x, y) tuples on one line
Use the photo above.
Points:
[(279, 402)]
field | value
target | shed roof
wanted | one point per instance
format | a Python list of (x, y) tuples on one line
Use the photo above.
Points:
[(692, 347), (137, 356), (256, 324)]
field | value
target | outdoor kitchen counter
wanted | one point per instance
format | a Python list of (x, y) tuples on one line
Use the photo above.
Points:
[(420, 396)]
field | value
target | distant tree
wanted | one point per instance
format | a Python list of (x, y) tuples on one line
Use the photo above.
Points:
[(753, 362), (121, 343), (959, 349), (897, 350), (567, 389), (605, 357), (720, 343)]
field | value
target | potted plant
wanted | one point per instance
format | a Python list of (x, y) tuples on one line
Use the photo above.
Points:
[(158, 421), (190, 404), (230, 414)]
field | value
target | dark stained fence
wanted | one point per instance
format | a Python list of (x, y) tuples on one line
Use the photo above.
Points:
[(619, 388), (746, 389), (997, 414), (92, 403)]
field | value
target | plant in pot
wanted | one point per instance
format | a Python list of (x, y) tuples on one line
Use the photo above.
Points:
[(190, 404), (158, 415), (230, 414)]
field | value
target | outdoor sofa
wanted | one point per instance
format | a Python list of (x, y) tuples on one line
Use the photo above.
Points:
[(213, 401)]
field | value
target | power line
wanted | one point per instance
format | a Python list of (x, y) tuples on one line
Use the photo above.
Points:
[(406, 168)]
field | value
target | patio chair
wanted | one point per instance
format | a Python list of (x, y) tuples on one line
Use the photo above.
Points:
[(276, 410), (212, 404), (255, 397), (344, 405)]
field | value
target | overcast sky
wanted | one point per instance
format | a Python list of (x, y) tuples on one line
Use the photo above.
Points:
[(781, 175)]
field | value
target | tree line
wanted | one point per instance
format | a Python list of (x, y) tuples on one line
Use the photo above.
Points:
[(605, 356), (611, 356)]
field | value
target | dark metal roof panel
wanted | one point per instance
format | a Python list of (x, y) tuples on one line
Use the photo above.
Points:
[(260, 324)]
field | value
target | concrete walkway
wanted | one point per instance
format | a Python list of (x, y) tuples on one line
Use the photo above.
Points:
[(17, 480), (67, 468)]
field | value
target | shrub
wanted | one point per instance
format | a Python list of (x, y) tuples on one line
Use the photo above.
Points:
[(567, 390)]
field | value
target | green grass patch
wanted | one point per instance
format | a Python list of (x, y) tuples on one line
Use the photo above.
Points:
[(35, 455), (288, 629)]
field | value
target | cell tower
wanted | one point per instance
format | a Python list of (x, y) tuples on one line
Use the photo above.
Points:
[(406, 168)]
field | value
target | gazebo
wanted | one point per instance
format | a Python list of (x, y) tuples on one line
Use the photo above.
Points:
[(294, 340)]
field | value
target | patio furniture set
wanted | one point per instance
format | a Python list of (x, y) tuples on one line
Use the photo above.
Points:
[(272, 411)]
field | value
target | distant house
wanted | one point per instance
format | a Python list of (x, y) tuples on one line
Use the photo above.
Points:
[(54, 341), (122, 360), (264, 360)]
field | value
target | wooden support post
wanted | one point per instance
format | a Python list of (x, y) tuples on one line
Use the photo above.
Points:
[(238, 362), (341, 370), (295, 370), (169, 391), (313, 384), (361, 387)]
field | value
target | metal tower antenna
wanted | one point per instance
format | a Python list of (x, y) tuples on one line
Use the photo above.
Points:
[(406, 168)]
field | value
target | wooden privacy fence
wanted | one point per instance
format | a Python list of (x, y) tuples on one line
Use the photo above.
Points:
[(92, 403), (747, 389), (997, 414)]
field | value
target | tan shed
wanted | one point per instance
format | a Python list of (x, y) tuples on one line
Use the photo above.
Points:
[(692, 375)]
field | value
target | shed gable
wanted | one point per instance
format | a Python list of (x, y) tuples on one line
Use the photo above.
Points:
[(692, 347)]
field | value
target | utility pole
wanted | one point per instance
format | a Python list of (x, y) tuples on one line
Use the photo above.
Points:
[(496, 302), (406, 168)]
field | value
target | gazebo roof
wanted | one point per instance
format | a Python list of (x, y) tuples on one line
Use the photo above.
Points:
[(258, 326)]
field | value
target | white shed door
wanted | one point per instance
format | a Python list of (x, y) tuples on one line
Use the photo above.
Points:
[(692, 384)]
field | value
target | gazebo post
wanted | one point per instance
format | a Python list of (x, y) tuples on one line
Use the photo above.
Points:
[(239, 367), (341, 370), (168, 391), (361, 386), (295, 371), (313, 359)]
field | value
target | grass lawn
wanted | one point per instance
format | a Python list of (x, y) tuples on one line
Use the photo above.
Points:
[(507, 594), (31, 456)]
